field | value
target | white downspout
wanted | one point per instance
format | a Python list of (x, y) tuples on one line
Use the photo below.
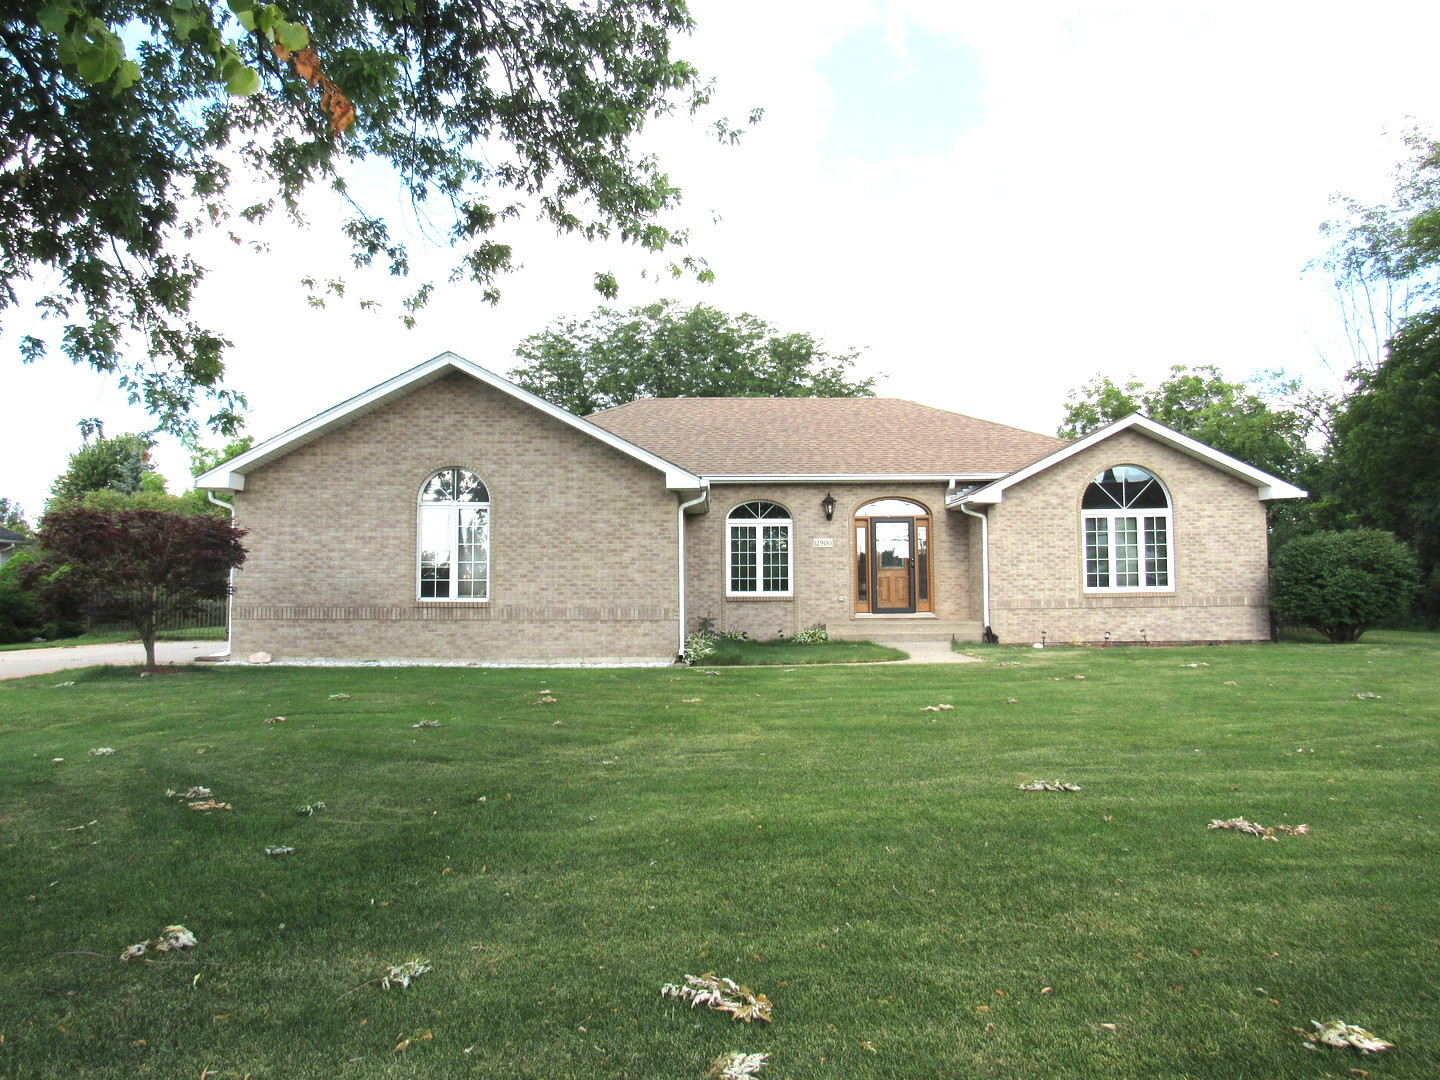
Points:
[(680, 537), (984, 561), (229, 596)]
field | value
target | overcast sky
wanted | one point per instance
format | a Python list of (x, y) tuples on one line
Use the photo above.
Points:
[(996, 201)]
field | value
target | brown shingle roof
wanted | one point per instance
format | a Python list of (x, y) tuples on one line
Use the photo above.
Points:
[(833, 436)]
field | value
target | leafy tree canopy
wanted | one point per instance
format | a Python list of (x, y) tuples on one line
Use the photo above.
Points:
[(1387, 439), (1385, 451), (666, 349), (205, 458), (1198, 402), (120, 464), (127, 120), (139, 566), (12, 517)]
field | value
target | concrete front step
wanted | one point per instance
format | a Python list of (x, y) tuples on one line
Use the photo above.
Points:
[(885, 630)]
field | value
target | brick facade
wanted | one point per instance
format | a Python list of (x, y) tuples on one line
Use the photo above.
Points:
[(584, 559), (824, 577), (1218, 555), (583, 540)]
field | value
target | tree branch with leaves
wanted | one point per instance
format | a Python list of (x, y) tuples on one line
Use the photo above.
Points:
[(128, 120)]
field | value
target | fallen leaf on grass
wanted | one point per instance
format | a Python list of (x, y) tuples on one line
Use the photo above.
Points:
[(276, 719), (868, 1046), (1112, 1027), (1343, 1036), (403, 975), (405, 1044), (735, 1066), (426, 724), (722, 995), (204, 805), (937, 708), (1366, 696), (102, 751), (280, 850), (689, 701), (170, 939), (1231, 682), (189, 793), (1049, 785), (1201, 664), (310, 809), (1080, 677), (340, 697), (544, 699), (1239, 824)]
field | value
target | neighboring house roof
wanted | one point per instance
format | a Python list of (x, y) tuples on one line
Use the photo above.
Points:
[(230, 476), (825, 438), (1267, 486), (11, 538)]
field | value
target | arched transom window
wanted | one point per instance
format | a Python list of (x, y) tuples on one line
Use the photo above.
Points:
[(1126, 513), (454, 537), (758, 556)]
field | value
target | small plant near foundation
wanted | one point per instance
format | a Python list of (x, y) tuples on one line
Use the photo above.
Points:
[(699, 647)]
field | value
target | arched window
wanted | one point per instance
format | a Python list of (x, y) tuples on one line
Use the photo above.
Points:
[(758, 558), (1126, 513), (454, 537)]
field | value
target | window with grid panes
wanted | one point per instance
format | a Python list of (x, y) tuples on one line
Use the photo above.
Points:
[(1127, 525), (758, 559), (453, 555)]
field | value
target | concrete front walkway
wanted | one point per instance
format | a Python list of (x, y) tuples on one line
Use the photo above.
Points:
[(930, 652), (42, 661)]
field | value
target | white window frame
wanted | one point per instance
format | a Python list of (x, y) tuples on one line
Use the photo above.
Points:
[(451, 511), (759, 524), (1144, 546)]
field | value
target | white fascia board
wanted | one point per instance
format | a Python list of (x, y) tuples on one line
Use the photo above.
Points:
[(846, 478), (231, 475), (1266, 486)]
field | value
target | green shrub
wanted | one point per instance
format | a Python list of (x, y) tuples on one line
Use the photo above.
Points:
[(1343, 583), (811, 635), (20, 618)]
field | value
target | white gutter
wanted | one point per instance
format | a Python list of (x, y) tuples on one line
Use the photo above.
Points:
[(845, 478), (680, 538), (230, 594), (984, 561)]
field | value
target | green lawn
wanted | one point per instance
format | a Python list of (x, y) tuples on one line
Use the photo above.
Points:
[(112, 637), (811, 832), (783, 652)]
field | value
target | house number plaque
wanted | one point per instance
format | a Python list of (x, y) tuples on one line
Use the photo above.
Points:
[(824, 541)]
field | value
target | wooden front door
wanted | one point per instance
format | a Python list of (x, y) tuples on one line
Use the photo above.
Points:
[(892, 563)]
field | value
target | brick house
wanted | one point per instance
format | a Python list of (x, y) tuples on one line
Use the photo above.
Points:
[(448, 515)]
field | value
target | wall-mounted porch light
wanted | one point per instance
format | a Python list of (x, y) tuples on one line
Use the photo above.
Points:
[(828, 503)]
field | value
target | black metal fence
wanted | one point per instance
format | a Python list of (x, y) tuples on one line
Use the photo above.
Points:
[(212, 613)]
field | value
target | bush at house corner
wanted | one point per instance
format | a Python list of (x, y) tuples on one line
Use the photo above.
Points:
[(1343, 583)]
